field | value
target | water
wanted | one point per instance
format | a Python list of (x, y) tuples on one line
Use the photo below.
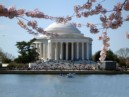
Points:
[(58, 86)]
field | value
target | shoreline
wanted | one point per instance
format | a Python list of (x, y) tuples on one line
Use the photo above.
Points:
[(61, 72)]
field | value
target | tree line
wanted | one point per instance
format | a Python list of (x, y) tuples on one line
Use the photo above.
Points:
[(121, 56)]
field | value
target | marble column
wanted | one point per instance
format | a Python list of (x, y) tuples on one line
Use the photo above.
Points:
[(56, 51), (90, 50), (41, 52), (61, 51), (82, 51), (44, 50), (49, 50), (66, 50), (87, 50), (77, 50), (53, 50), (36, 47), (72, 50), (48, 53)]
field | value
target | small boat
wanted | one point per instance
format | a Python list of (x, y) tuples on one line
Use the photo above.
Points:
[(70, 75)]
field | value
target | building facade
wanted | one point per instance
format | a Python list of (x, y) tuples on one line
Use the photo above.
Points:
[(70, 44)]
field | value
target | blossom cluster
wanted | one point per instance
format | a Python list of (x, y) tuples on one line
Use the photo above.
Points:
[(24, 26), (105, 46), (93, 28), (127, 35), (34, 25), (76, 24), (127, 18), (126, 5), (113, 21), (10, 12), (63, 19), (37, 14), (98, 9)]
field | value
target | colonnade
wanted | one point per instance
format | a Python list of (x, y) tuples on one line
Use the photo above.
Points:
[(65, 50)]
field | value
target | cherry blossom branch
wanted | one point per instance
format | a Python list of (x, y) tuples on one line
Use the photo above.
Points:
[(13, 12), (34, 25), (105, 46), (24, 26), (123, 4)]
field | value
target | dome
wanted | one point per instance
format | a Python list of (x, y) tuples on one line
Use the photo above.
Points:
[(64, 30)]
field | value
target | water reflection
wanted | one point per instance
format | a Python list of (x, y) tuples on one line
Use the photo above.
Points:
[(58, 86)]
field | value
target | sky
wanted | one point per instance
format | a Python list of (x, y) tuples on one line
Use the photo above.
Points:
[(11, 32)]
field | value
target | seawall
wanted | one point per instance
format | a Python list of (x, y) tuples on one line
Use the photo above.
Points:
[(60, 72)]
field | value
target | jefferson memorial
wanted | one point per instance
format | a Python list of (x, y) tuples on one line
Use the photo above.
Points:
[(70, 44)]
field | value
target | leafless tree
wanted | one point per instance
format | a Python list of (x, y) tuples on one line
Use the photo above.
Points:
[(5, 56), (123, 53)]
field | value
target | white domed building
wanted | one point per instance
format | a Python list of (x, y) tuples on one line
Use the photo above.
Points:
[(70, 44)]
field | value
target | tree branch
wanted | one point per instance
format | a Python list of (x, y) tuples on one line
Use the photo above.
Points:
[(123, 4)]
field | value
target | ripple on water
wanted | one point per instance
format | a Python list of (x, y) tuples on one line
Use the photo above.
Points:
[(57, 86)]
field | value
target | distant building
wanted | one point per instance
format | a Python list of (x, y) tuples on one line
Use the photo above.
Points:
[(70, 44), (109, 65)]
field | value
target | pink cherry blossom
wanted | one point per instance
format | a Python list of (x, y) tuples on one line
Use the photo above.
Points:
[(111, 16), (99, 7), (78, 15), (100, 38), (87, 5), (117, 7), (85, 14), (33, 24), (127, 18), (126, 5), (20, 11), (93, 28), (21, 23), (127, 35), (103, 18)]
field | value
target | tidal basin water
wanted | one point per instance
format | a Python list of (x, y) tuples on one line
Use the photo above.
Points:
[(58, 86)]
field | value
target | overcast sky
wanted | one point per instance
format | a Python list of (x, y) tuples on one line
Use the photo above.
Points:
[(10, 32)]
